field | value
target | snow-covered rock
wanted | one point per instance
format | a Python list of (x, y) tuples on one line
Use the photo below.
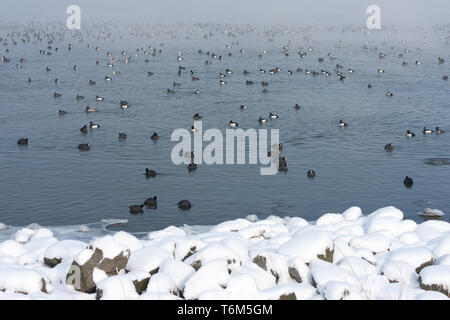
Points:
[(147, 259), (104, 256), (436, 278), (212, 275), (309, 245), (340, 256), (62, 250)]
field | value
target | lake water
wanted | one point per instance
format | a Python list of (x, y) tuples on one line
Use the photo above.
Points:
[(52, 183)]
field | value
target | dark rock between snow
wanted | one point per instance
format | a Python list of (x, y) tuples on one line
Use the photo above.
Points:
[(293, 272), (328, 255), (81, 276), (261, 262), (288, 296), (52, 262)]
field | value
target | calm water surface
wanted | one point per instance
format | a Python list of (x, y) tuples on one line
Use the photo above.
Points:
[(51, 183)]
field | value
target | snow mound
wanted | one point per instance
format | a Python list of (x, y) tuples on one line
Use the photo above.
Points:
[(147, 259), (436, 278), (340, 256), (309, 245), (21, 280)]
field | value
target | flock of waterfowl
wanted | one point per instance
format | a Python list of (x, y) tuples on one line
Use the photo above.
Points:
[(55, 41)]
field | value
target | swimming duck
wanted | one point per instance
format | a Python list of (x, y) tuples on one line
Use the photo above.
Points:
[(410, 134), (389, 147), (197, 116), (243, 106), (154, 136), (197, 91), (84, 147), (57, 95), (445, 78), (93, 125), (91, 109), (151, 203), (108, 78), (297, 106), (150, 173), (311, 173), (342, 123), (273, 116), (122, 135), (282, 164), (80, 97), (22, 141), (123, 104), (233, 124), (62, 112), (389, 94), (137, 208), (170, 91), (184, 205), (408, 182), (426, 131), (369, 85), (438, 131), (84, 129), (191, 166)]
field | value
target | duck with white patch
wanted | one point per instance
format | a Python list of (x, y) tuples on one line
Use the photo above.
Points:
[(233, 124), (342, 124), (93, 125), (427, 131)]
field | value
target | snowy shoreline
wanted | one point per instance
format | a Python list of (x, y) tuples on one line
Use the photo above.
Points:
[(339, 256)]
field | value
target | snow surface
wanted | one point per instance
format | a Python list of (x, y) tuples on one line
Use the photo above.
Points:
[(375, 256)]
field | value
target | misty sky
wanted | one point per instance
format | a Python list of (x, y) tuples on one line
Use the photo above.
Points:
[(324, 12)]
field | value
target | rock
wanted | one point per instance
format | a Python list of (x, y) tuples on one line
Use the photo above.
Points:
[(309, 245), (289, 296), (328, 256), (141, 285), (436, 278), (295, 275), (52, 262), (261, 262), (62, 250), (147, 259), (104, 254)]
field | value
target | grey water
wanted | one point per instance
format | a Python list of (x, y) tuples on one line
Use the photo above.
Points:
[(52, 183)]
